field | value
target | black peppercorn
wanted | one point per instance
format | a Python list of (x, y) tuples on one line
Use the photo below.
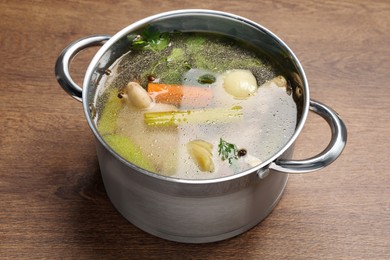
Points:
[(241, 152), (151, 78)]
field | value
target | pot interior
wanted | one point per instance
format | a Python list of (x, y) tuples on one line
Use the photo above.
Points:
[(204, 21)]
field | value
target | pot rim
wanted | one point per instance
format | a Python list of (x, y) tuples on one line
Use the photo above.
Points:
[(140, 23)]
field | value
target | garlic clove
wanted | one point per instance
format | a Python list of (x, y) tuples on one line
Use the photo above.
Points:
[(201, 152)]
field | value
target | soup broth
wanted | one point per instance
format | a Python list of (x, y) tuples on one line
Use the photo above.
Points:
[(194, 105)]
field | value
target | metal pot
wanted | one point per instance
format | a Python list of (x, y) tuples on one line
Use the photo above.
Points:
[(198, 211)]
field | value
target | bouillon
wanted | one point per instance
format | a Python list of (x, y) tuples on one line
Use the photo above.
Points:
[(194, 105)]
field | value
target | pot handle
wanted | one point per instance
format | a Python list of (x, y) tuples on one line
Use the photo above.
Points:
[(63, 63), (330, 153)]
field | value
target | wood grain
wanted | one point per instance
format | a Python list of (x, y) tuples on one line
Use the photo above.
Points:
[(52, 199)]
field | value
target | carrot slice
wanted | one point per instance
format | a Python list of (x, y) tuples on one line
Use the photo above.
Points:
[(180, 95)]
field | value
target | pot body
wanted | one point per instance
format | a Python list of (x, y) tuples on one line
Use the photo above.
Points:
[(189, 212), (198, 211)]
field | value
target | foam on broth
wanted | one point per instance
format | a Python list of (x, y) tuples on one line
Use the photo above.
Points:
[(268, 117)]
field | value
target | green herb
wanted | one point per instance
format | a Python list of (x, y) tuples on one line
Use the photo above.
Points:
[(227, 151), (150, 39)]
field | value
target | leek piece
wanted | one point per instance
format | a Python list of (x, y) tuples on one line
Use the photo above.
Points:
[(129, 151), (201, 116), (107, 120)]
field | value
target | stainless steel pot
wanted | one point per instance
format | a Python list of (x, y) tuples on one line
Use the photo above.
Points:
[(198, 211)]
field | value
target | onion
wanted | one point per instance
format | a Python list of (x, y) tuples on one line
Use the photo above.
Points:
[(241, 84)]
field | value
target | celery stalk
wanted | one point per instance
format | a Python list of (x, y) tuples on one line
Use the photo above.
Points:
[(200, 116)]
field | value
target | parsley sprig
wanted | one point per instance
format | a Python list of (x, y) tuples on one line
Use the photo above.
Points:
[(227, 151), (150, 39)]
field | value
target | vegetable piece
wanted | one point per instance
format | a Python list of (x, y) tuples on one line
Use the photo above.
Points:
[(201, 152), (252, 160), (227, 151), (108, 117), (180, 95), (129, 151), (278, 81), (281, 82), (241, 84), (135, 95), (151, 39), (177, 54), (201, 116)]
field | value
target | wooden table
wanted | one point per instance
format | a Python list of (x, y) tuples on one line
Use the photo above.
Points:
[(52, 199)]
